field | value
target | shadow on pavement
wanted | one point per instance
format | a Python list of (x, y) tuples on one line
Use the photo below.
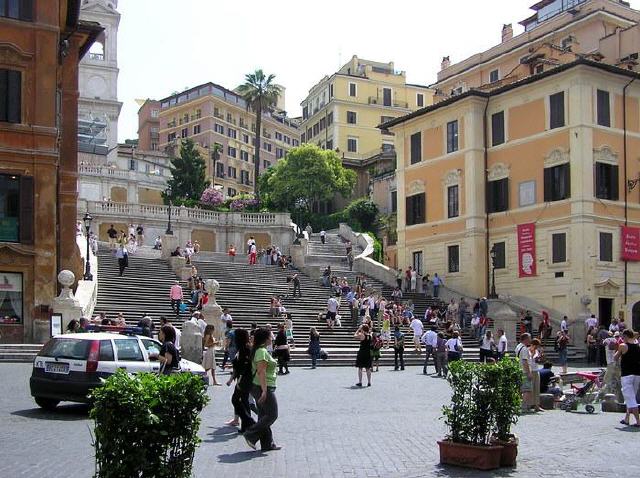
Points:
[(454, 471), (63, 413), (222, 434), (240, 456)]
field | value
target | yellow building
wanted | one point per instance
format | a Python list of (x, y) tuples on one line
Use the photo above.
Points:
[(210, 115), (533, 166), (343, 111)]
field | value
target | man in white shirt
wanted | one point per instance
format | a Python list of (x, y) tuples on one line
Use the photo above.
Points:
[(564, 324), (416, 326), (591, 322), (332, 310), (430, 340), (502, 344), (323, 235), (526, 363)]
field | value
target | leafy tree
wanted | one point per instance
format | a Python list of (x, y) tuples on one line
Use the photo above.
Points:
[(189, 177), (261, 95), (307, 174), (363, 213)]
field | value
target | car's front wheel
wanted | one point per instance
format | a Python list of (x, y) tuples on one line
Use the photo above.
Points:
[(47, 403)]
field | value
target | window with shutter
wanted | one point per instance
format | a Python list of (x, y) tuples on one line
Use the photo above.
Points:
[(499, 261), (556, 110), (453, 204), (11, 96), (603, 108), (26, 210), (606, 181), (559, 248), (497, 128), (416, 147), (415, 209), (452, 136), (557, 183), (606, 247), (498, 195), (11, 210)]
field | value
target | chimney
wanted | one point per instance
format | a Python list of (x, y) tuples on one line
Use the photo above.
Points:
[(507, 32), (445, 63)]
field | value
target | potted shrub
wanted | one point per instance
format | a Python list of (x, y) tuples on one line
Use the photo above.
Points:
[(469, 417), (506, 408), (146, 425)]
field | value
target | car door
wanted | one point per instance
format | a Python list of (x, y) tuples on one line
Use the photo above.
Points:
[(152, 349), (129, 355)]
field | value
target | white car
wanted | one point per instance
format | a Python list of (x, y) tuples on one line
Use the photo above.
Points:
[(69, 366)]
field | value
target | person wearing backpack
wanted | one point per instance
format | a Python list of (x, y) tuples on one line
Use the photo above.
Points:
[(398, 348), (376, 346)]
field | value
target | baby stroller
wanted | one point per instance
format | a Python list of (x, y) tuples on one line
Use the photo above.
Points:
[(590, 392)]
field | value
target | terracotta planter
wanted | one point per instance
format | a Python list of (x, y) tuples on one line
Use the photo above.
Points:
[(509, 450), (470, 456)]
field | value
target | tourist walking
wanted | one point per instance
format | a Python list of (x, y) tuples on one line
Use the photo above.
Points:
[(502, 344), (364, 359), (243, 377), (309, 231), (296, 285), (399, 279), (229, 344), (629, 356), (332, 311), (253, 253), (487, 347), (323, 235), (175, 294), (232, 253), (209, 354), (123, 258), (417, 327), (437, 282), (113, 237), (430, 340), (140, 235), (398, 348), (169, 357), (562, 346), (314, 346), (263, 368), (281, 351), (454, 347), (524, 357), (442, 363)]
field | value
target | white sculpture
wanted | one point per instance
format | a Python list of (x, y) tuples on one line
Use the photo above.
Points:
[(66, 279), (212, 286)]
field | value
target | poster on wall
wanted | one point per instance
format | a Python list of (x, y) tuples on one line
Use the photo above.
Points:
[(630, 247), (526, 250)]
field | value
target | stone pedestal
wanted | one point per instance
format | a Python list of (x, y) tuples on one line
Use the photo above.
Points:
[(177, 264), (184, 272), (65, 304), (191, 342), (212, 310), (504, 317), (169, 244)]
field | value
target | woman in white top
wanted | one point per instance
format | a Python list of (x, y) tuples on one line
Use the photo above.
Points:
[(487, 347), (454, 347)]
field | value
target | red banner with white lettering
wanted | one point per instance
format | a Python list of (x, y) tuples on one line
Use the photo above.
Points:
[(526, 250), (630, 250)]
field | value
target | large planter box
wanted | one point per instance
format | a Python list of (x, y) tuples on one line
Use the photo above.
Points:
[(470, 456), (509, 451)]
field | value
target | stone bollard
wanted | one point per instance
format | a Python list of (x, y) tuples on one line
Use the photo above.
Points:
[(212, 311), (191, 342), (65, 304), (610, 404), (546, 401)]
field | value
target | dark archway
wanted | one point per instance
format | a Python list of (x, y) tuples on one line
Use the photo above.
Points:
[(635, 316)]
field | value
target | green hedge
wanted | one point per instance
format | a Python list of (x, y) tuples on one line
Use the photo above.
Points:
[(146, 425)]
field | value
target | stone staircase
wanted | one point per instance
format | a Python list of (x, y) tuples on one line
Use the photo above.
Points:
[(18, 352)]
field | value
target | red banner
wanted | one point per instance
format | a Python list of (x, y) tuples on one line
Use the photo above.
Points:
[(526, 250), (630, 250)]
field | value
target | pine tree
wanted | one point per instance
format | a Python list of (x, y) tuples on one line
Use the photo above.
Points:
[(189, 177)]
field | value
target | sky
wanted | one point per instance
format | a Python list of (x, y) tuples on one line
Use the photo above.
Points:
[(166, 46)]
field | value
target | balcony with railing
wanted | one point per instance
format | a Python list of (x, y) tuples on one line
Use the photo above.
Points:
[(376, 100), (155, 176), (96, 56)]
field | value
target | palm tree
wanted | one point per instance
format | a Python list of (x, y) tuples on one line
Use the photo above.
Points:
[(261, 95)]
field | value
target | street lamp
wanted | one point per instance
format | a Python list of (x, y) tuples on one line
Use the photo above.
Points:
[(168, 194), (492, 253), (87, 227)]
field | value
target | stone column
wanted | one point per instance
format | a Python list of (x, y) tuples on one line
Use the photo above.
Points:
[(65, 304)]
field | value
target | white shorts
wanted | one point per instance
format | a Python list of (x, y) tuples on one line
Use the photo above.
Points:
[(630, 385)]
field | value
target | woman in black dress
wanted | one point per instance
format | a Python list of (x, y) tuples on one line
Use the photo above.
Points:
[(244, 378), (364, 359), (281, 351)]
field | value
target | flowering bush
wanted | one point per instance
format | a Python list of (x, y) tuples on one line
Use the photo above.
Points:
[(212, 197), (243, 202)]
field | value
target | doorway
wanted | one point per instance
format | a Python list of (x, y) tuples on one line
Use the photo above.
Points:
[(635, 316), (417, 262), (386, 96), (605, 311)]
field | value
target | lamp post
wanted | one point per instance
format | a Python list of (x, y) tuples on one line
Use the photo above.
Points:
[(87, 227), (168, 193), (492, 253)]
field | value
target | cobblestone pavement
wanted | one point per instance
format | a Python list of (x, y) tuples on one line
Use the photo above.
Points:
[(327, 428)]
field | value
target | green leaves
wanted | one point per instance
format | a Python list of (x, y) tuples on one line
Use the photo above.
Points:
[(147, 425), (486, 400), (306, 174), (189, 174)]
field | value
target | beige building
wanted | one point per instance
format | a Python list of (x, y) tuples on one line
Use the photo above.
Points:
[(533, 166), (343, 111), (211, 115)]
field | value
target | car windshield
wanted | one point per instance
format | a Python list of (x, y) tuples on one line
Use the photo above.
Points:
[(74, 349)]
